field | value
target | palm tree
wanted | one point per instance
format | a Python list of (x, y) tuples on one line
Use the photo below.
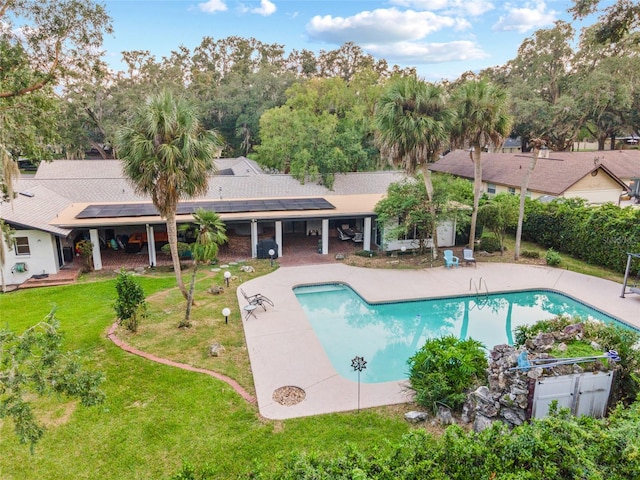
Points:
[(536, 144), (413, 123), (482, 120), (211, 233), (168, 155)]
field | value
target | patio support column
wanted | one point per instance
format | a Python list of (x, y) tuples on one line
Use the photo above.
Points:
[(325, 236), (151, 246), (366, 242), (254, 238), (95, 240), (279, 236)]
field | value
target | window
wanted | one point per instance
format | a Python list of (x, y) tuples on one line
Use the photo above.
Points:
[(491, 188), (512, 190), (22, 246)]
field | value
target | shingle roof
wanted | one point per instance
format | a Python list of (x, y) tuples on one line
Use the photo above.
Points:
[(553, 175), (102, 181), (35, 210)]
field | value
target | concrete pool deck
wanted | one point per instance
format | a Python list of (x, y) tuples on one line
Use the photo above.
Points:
[(284, 350)]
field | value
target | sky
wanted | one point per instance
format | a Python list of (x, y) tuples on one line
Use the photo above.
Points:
[(440, 38)]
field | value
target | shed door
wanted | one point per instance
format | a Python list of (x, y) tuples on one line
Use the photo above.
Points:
[(550, 389), (593, 394)]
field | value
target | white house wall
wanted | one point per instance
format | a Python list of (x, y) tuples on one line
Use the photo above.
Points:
[(41, 259), (598, 188), (446, 237)]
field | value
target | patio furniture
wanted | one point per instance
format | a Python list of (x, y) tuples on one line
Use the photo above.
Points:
[(345, 232), (250, 311), (450, 259), (257, 299), (342, 234), (467, 256)]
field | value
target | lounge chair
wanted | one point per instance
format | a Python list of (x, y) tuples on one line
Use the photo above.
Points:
[(450, 259), (257, 299), (342, 235), (467, 256)]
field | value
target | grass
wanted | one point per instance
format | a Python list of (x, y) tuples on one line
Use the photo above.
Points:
[(155, 417)]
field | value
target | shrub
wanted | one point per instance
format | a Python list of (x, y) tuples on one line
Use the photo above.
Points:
[(490, 244), (85, 248), (444, 369), (366, 253), (184, 249), (553, 258), (130, 306), (530, 254), (607, 336)]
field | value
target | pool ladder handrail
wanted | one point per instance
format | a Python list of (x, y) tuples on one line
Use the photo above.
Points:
[(481, 301)]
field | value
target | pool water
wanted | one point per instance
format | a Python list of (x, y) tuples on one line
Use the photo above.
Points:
[(387, 334)]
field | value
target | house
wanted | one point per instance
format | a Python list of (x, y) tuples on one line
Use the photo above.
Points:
[(598, 177), (70, 200)]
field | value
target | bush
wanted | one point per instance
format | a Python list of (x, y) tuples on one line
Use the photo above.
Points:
[(607, 336), (490, 244), (85, 248), (366, 253), (530, 254), (598, 235), (444, 369), (130, 306), (553, 258), (184, 249), (559, 446)]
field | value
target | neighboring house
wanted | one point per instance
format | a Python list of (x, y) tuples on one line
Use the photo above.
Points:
[(598, 177), (70, 200)]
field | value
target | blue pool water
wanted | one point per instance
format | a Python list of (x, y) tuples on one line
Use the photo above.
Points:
[(387, 334)]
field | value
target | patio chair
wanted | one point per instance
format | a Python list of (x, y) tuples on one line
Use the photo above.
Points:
[(257, 299), (450, 259), (342, 235), (467, 256)]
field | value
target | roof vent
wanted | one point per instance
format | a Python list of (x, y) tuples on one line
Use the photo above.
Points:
[(28, 194)]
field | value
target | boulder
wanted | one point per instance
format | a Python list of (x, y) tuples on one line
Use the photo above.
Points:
[(444, 416), (481, 423), (415, 417), (216, 349)]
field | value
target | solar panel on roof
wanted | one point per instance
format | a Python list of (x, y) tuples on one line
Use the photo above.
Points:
[(218, 206)]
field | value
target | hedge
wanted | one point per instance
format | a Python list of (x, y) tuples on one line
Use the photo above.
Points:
[(599, 235)]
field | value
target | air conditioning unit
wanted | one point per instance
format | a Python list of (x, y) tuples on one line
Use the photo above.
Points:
[(20, 267)]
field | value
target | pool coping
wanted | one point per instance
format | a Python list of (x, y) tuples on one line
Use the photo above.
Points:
[(284, 350)]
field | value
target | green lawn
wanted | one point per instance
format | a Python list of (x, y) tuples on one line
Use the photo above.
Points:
[(155, 417)]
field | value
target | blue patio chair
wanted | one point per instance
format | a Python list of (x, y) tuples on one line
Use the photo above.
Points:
[(450, 259)]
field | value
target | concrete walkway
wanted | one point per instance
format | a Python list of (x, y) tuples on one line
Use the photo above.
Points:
[(284, 350)]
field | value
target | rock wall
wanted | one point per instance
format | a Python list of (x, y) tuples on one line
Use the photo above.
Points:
[(508, 397)]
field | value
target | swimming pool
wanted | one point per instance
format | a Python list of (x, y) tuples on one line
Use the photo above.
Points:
[(387, 334)]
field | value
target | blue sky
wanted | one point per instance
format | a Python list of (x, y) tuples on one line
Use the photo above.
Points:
[(441, 38)]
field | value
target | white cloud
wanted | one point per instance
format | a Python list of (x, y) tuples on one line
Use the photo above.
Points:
[(463, 8), (213, 6), (265, 9), (422, 53), (532, 16), (380, 26)]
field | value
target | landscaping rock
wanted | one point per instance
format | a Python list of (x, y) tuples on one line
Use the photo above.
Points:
[(481, 423), (216, 349), (444, 416), (339, 256), (215, 290), (415, 417)]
